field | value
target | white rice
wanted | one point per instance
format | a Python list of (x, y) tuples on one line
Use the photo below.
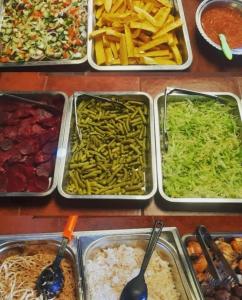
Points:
[(111, 268)]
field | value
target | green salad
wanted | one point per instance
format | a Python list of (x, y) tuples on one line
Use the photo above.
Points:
[(204, 157), (35, 30)]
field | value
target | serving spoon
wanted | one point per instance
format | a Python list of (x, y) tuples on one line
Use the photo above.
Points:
[(225, 46), (136, 289), (51, 280)]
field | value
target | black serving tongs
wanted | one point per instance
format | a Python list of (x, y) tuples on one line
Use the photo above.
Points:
[(91, 96), (169, 91), (219, 269), (54, 110)]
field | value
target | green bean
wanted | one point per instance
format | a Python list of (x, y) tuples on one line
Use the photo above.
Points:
[(111, 158)]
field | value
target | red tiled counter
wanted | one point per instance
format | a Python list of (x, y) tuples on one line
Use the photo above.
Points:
[(25, 224)]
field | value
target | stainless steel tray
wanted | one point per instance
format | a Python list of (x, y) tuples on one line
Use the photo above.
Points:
[(85, 241), (191, 237), (183, 39), (33, 63), (16, 244), (169, 246), (37, 96), (150, 172), (218, 204)]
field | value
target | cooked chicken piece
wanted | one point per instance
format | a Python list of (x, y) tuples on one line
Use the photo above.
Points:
[(200, 265), (202, 277), (227, 251), (237, 245), (194, 248)]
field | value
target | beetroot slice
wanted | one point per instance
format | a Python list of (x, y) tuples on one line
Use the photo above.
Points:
[(4, 117), (16, 181), (49, 122), (4, 157), (38, 184), (10, 132), (3, 181), (45, 169), (15, 157), (41, 157), (6, 144), (53, 134), (50, 148), (27, 170), (28, 146)]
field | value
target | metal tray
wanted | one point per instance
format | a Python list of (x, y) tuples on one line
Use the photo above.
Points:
[(191, 237), (50, 242), (218, 204), (38, 96), (150, 170), (169, 247), (183, 39), (85, 241), (33, 63)]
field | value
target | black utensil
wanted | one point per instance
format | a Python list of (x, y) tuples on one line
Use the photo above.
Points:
[(136, 289), (51, 279)]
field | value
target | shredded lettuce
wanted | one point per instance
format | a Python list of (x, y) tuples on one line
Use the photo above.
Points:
[(204, 157)]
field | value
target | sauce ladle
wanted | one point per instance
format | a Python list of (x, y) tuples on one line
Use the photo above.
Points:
[(136, 289), (51, 280)]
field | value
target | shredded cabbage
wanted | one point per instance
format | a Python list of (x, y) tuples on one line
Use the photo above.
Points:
[(204, 156)]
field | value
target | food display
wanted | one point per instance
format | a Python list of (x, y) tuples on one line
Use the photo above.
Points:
[(223, 19), (138, 33), (28, 143), (111, 155), (20, 267), (203, 159), (110, 269), (51, 30), (231, 247)]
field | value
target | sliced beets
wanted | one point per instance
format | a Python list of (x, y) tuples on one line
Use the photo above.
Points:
[(41, 157), (28, 144), (50, 148), (10, 132), (6, 144), (38, 184), (16, 181), (45, 169), (3, 181), (29, 147)]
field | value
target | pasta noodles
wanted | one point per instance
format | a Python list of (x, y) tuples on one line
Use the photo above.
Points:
[(19, 273)]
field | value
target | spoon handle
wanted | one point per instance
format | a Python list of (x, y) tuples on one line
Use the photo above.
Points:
[(155, 234), (67, 236)]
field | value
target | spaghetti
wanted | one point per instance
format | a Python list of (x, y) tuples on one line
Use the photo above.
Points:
[(19, 273)]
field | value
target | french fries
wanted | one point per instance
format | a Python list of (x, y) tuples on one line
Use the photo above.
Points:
[(135, 32)]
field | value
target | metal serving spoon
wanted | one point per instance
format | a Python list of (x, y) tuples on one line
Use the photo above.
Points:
[(136, 289), (51, 279)]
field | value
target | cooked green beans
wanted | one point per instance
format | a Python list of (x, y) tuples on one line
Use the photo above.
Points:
[(111, 157)]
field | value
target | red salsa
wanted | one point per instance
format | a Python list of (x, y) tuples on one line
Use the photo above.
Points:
[(226, 20)]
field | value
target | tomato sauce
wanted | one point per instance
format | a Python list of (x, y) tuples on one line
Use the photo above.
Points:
[(226, 20)]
